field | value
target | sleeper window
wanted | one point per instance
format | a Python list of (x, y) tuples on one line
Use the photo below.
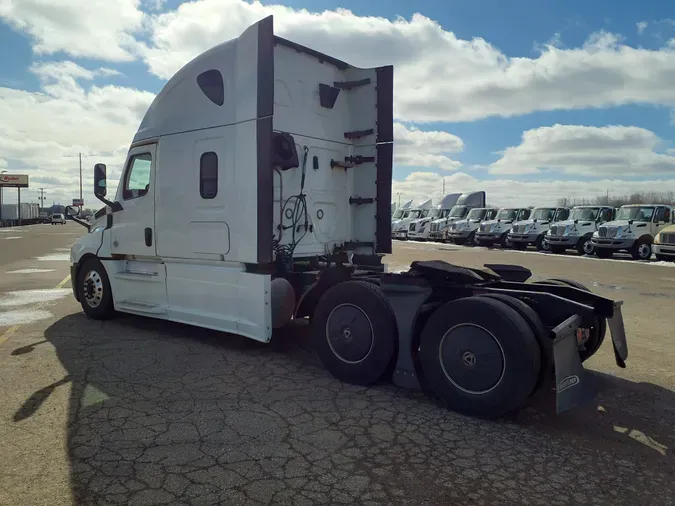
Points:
[(137, 180), (208, 175)]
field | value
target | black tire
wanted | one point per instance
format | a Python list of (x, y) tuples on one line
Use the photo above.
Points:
[(540, 244), (598, 331), (510, 356), (471, 240), (641, 250), (558, 250), (504, 241), (604, 252), (519, 246), (585, 247), (93, 289), (361, 358), (540, 333)]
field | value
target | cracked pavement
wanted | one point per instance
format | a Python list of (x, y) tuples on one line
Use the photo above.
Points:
[(139, 411)]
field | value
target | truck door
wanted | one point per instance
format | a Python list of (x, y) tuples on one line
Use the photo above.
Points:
[(661, 219), (133, 230)]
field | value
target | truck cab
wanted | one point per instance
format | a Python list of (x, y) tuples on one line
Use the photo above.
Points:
[(577, 231), (400, 229), (400, 211), (632, 230), (465, 203), (497, 230), (533, 230), (464, 231), (420, 228)]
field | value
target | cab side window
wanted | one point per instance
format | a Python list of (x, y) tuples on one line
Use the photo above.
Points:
[(662, 214), (666, 214), (137, 177), (605, 215)]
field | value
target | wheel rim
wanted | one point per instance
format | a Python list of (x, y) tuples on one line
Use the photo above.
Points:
[(544, 245), (644, 251), (349, 333), (472, 359), (588, 247), (93, 289)]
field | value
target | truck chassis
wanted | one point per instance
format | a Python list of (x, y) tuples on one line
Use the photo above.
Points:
[(482, 340)]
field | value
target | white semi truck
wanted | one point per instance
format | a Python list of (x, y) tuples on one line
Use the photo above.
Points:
[(216, 145), (533, 230), (420, 228), (464, 231), (400, 228), (632, 230), (576, 232), (496, 231), (466, 202), (400, 212)]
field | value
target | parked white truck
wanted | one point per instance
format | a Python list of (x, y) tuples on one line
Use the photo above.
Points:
[(420, 228), (464, 231), (533, 230), (633, 230), (577, 231), (400, 211), (466, 202), (496, 231), (400, 228), (215, 145)]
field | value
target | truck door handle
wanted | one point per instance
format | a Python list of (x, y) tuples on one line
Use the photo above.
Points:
[(148, 236)]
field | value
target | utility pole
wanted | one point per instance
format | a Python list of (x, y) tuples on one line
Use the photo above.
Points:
[(41, 198), (80, 154), (399, 199)]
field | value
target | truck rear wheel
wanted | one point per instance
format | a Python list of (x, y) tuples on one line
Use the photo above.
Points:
[(94, 291), (354, 332), (480, 356), (540, 333)]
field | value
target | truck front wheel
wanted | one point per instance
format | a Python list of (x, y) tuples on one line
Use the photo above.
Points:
[(354, 332), (585, 246), (93, 288), (480, 356), (641, 250)]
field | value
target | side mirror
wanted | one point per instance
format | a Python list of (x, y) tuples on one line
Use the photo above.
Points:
[(630, 222), (72, 212), (100, 184)]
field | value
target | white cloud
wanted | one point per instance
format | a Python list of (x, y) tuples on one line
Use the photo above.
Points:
[(439, 77), (100, 29), (587, 151), (417, 148), (509, 192), (641, 26), (42, 133)]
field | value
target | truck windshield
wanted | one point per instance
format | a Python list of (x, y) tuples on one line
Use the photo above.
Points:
[(397, 214), (585, 213), (458, 212), (405, 214), (543, 213), (417, 213), (507, 214), (637, 213), (435, 213), (476, 214)]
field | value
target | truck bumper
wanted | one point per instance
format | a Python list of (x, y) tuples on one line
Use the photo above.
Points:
[(526, 238), (566, 241), (418, 235), (487, 238), (459, 234), (400, 234), (664, 249), (609, 243)]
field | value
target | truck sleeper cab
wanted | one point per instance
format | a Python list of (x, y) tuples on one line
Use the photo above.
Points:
[(464, 231), (401, 227), (497, 231), (171, 243), (533, 230), (420, 229), (633, 230), (577, 231)]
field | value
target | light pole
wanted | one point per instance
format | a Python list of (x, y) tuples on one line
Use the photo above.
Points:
[(398, 194)]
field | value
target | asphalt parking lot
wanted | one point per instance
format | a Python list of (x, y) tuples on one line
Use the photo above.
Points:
[(140, 411)]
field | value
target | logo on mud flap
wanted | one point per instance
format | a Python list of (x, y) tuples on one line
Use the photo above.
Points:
[(568, 382)]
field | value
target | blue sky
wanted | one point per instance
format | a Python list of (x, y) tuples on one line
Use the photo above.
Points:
[(517, 29)]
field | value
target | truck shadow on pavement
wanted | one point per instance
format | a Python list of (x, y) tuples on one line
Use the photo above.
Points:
[(163, 413)]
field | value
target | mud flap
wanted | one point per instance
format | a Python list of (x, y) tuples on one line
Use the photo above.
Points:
[(572, 389), (618, 335)]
